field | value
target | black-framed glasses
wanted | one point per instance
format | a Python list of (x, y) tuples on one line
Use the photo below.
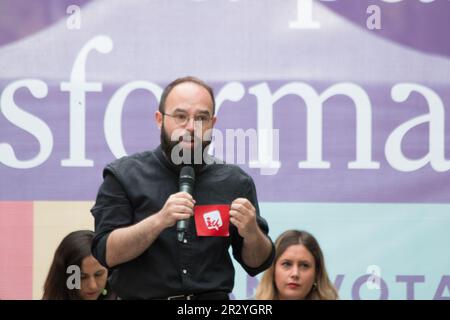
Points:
[(182, 119)]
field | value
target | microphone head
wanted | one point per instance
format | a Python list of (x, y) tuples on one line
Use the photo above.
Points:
[(187, 175)]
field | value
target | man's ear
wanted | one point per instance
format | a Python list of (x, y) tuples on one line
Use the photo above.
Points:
[(214, 119), (158, 119)]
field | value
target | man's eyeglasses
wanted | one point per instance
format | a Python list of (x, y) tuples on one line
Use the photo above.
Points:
[(182, 119)]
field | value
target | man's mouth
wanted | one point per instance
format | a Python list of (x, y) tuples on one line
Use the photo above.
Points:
[(187, 140)]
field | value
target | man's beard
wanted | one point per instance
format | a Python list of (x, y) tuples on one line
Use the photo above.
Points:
[(179, 156)]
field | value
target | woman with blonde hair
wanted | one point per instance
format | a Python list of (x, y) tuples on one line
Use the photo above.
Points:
[(298, 271)]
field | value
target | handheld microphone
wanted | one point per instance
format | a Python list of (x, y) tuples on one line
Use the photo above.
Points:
[(187, 180)]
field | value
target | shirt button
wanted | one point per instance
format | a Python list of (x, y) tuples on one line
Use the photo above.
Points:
[(184, 271)]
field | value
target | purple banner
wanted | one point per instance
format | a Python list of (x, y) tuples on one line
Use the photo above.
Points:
[(355, 105), (359, 125)]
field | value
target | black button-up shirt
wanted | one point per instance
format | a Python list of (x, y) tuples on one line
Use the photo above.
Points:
[(136, 187)]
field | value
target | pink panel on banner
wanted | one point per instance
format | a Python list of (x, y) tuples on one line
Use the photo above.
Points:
[(16, 250)]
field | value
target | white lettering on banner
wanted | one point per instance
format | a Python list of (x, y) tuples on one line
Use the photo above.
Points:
[(26, 121), (78, 88), (264, 107), (436, 118), (266, 139), (266, 156), (304, 16), (314, 106), (234, 92), (113, 115)]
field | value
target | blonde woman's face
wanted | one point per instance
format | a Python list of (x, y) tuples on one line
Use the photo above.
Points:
[(295, 273), (93, 278)]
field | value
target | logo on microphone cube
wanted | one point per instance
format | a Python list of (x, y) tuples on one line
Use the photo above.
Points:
[(213, 220)]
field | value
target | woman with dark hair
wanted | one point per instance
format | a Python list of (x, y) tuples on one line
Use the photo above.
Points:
[(75, 250), (298, 271)]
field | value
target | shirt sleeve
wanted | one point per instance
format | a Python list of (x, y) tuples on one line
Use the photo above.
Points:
[(112, 210), (238, 241)]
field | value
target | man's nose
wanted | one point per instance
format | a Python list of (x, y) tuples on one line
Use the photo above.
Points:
[(190, 125)]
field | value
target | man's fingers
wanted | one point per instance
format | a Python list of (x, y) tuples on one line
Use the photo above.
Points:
[(182, 201), (185, 195), (183, 209), (236, 215), (241, 203), (181, 216), (235, 222)]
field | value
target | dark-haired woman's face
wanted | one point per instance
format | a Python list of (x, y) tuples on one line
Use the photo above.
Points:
[(295, 273), (93, 278)]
